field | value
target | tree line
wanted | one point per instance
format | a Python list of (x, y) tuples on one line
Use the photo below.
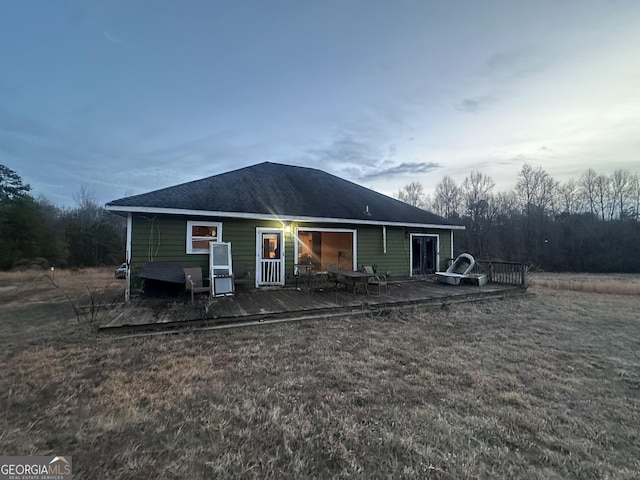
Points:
[(589, 224), (33, 231)]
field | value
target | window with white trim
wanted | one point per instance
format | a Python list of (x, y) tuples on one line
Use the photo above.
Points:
[(320, 247), (199, 234)]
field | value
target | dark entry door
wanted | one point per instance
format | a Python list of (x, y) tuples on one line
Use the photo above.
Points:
[(424, 254)]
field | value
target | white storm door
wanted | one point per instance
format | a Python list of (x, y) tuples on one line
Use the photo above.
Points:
[(269, 257)]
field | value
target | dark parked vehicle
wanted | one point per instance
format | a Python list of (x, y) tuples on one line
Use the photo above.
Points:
[(121, 271)]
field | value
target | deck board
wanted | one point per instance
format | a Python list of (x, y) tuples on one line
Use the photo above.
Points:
[(251, 305)]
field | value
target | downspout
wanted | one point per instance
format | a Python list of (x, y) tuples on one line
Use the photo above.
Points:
[(451, 244), (127, 290), (384, 239)]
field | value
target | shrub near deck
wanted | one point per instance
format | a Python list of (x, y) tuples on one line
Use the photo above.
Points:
[(542, 387)]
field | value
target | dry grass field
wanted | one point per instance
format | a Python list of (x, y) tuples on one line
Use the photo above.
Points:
[(618, 284), (541, 387)]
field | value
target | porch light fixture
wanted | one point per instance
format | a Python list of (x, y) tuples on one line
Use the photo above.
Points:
[(287, 227)]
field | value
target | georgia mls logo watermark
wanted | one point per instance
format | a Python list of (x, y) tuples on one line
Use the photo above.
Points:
[(35, 468)]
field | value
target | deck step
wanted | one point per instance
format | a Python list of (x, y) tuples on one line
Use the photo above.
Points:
[(241, 316)]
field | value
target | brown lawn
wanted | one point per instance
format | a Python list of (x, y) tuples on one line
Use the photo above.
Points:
[(540, 387)]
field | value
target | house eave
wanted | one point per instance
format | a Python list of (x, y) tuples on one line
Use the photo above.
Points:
[(265, 216)]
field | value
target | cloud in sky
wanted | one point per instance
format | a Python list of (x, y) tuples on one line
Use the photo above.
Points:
[(472, 105), (379, 93), (514, 65), (111, 38), (403, 169), (349, 151)]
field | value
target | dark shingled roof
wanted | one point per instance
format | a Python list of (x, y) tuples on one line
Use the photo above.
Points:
[(283, 191)]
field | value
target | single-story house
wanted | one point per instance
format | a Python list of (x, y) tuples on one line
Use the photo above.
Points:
[(279, 216)]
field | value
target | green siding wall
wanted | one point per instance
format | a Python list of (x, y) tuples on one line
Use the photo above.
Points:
[(164, 237), (397, 261)]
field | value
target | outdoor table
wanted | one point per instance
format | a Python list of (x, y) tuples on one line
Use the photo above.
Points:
[(356, 277)]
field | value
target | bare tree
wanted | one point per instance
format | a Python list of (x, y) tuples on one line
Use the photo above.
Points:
[(542, 222), (621, 183), (475, 191), (535, 188), (588, 189), (536, 191), (634, 194), (94, 236), (87, 206), (413, 194), (447, 198), (428, 203), (604, 199), (504, 205), (570, 198)]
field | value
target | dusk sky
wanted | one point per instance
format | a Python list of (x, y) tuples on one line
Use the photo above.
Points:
[(124, 97)]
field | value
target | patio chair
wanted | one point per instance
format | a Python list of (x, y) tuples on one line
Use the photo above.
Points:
[(379, 280), (305, 274), (335, 277), (194, 283), (241, 275)]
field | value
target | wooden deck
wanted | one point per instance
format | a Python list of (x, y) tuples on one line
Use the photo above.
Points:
[(285, 304)]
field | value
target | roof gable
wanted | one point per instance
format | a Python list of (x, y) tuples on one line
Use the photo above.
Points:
[(272, 189)]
